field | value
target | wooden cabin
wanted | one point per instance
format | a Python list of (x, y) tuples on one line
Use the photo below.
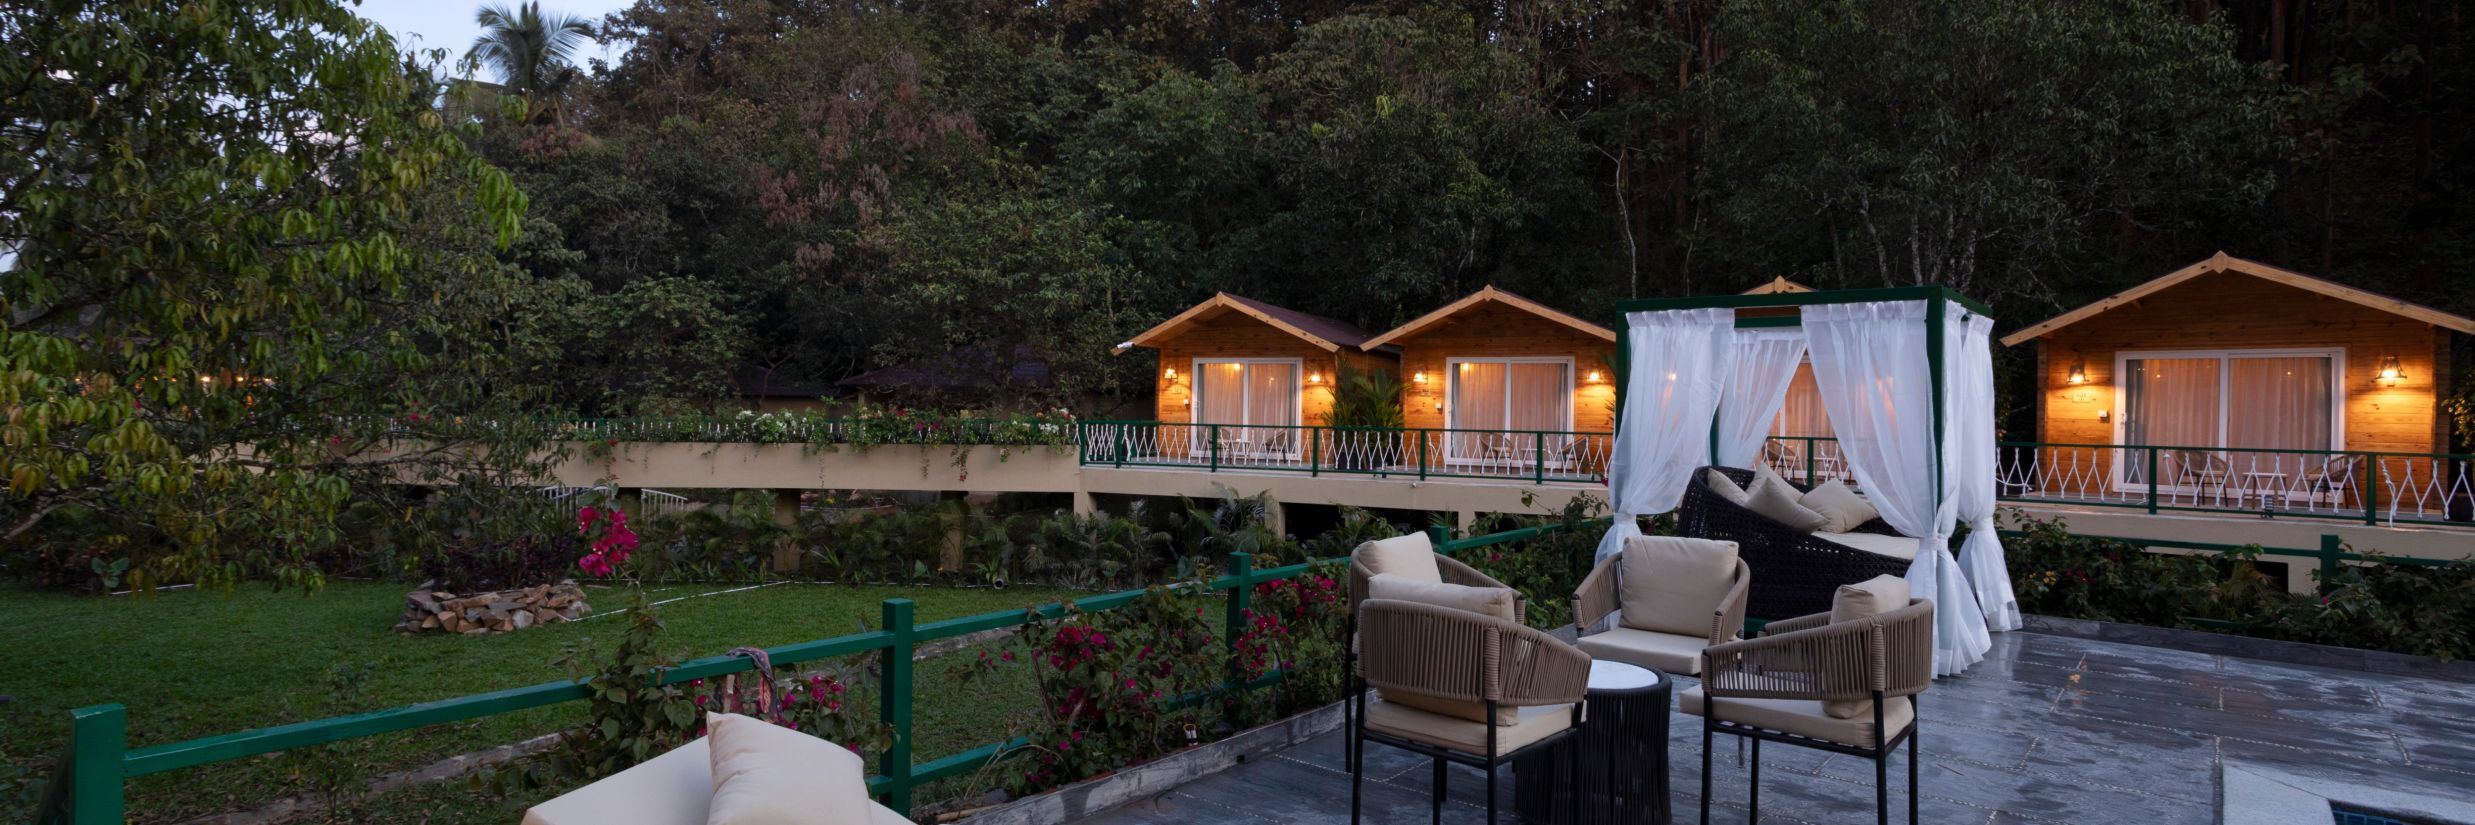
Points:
[(2242, 374), (1511, 377), (1258, 370)]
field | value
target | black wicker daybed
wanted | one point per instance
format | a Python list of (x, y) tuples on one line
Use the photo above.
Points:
[(1795, 573)]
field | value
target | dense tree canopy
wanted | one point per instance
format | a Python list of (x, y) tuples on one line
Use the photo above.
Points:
[(1056, 176)]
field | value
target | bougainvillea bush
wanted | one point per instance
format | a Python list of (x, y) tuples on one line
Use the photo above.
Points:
[(1157, 675)]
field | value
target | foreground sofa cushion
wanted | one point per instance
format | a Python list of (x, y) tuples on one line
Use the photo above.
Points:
[(675, 788), (765, 774)]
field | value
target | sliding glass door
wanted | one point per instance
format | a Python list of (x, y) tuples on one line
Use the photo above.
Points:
[(2229, 421), (1255, 401), (1508, 400)]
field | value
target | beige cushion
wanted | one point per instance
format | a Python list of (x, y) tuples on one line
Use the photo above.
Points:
[(1725, 487), (1845, 509), (1411, 557), (1669, 652), (1775, 498), (1533, 723), (1673, 585), (1871, 597), (675, 788), (1496, 602), (1902, 548), (1493, 602), (1804, 717), (765, 774)]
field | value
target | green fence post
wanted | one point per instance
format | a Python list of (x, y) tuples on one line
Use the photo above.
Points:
[(2331, 547), (2152, 480), (1439, 535), (1809, 448), (1241, 596), (98, 736), (1212, 432), (894, 708), (1314, 451), (1121, 443), (1538, 457), (1422, 455), (2371, 489)]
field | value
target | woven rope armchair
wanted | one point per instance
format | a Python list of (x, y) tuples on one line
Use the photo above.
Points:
[(1599, 596), (1451, 570), (1434, 654), (1799, 571), (1774, 688)]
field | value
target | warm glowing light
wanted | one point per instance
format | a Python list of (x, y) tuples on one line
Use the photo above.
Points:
[(2390, 370), (1314, 378), (2079, 374), (1595, 377), (1170, 373), (1419, 377)]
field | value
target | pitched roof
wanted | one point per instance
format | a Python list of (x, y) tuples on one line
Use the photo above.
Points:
[(2222, 262), (1487, 294), (1777, 285), (1323, 332)]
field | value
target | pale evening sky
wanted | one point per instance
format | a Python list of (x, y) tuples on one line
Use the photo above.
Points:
[(448, 24)]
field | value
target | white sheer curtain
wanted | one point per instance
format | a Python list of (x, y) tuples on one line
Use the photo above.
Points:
[(2173, 402), (1766, 362), (1679, 360), (1869, 360), (1272, 406), (1969, 379)]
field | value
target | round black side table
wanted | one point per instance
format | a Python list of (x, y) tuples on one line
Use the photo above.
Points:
[(1624, 726)]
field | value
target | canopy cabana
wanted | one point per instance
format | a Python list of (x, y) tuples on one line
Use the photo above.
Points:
[(1906, 376)]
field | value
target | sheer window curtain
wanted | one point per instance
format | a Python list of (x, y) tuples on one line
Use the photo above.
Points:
[(1272, 407), (1680, 360), (1970, 382), (1869, 360), (1477, 404), (2173, 403), (1766, 363), (2279, 403)]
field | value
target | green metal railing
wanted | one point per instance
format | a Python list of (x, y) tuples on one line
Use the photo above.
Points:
[(1536, 456), (89, 788)]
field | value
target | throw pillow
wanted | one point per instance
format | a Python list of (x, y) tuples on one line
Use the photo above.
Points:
[(764, 774), (1776, 499), (1726, 487), (1411, 557), (1667, 584), (1845, 509), (1871, 597)]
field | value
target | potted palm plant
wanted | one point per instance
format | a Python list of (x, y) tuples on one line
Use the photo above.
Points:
[(1366, 419)]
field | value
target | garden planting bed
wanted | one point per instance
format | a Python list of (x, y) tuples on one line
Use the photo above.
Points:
[(497, 611), (1091, 796)]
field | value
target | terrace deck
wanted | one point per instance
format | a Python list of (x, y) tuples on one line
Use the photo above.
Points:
[(2048, 729)]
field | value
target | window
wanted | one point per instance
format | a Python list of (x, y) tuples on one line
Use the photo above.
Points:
[(2226, 417), (1256, 400), (1802, 415), (1508, 399)]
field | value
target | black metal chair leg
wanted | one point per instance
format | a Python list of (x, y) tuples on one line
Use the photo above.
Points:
[(1882, 787), (1915, 726), (1438, 801), (1753, 811), (1357, 778), (1705, 772), (1490, 792)]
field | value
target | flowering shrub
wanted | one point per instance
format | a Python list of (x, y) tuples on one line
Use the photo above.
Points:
[(1130, 684), (2422, 610), (611, 540)]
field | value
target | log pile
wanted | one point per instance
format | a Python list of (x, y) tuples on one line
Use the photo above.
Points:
[(438, 611)]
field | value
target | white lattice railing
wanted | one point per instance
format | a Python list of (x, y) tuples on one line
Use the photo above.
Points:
[(1534, 455)]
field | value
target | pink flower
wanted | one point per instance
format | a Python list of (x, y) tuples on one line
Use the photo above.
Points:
[(585, 517)]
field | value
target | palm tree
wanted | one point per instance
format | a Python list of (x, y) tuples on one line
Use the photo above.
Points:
[(532, 53)]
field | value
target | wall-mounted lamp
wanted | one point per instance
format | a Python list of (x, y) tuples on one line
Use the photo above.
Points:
[(2390, 371), (1594, 377), (1314, 378), (1419, 377), (1169, 374), (2079, 373)]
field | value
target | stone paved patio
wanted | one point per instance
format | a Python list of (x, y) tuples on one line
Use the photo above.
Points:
[(2047, 729)]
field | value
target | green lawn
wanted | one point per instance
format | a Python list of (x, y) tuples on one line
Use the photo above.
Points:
[(190, 664)]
